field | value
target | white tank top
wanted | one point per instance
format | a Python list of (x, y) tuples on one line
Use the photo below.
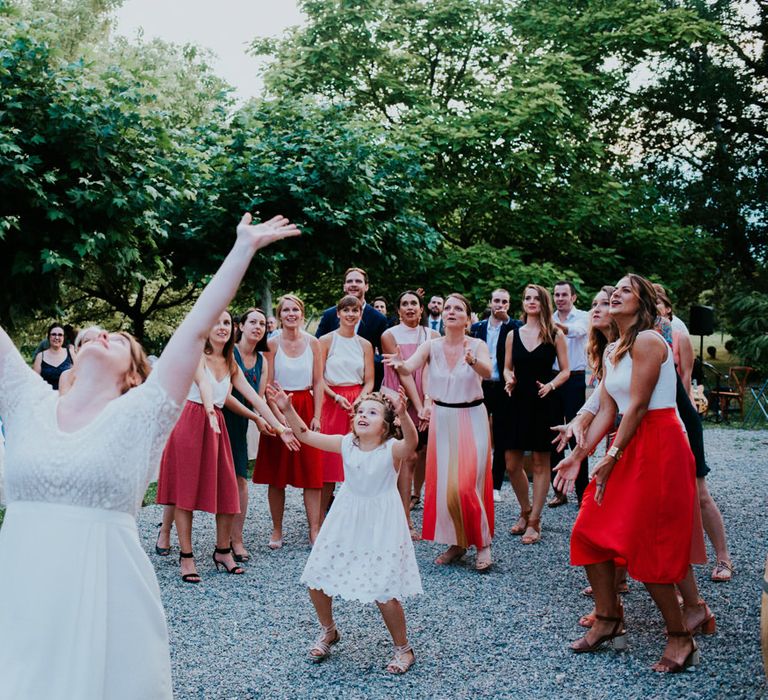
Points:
[(409, 336), (220, 389), (618, 378), (345, 364), (294, 373)]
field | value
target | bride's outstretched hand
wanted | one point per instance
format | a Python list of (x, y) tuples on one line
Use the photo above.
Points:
[(261, 235)]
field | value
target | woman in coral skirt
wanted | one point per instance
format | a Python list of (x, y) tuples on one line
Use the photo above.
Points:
[(640, 504)]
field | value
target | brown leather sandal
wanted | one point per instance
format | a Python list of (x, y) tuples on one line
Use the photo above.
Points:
[(535, 525), (518, 529), (667, 665), (617, 636)]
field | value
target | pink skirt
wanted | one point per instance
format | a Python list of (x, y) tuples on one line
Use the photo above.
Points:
[(278, 466), (334, 420), (197, 471)]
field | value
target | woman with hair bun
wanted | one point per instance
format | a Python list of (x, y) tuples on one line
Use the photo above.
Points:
[(458, 497)]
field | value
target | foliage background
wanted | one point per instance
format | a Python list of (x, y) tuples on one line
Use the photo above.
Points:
[(444, 144)]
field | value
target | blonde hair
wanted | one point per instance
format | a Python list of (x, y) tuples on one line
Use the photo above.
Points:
[(285, 299), (549, 330)]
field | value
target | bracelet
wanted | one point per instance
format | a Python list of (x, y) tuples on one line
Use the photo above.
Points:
[(281, 429), (552, 386), (615, 452)]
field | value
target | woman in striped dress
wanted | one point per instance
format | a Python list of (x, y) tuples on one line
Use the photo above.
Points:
[(458, 501)]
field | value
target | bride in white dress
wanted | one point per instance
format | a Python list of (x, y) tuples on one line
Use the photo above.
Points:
[(80, 610)]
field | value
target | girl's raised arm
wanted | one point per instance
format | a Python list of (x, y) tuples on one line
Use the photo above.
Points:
[(176, 366)]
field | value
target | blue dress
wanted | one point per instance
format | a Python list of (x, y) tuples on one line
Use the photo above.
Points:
[(237, 426)]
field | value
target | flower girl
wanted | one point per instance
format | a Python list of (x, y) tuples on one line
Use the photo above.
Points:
[(364, 550)]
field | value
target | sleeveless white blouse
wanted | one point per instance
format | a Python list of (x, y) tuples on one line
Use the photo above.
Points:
[(294, 373), (345, 364), (220, 389)]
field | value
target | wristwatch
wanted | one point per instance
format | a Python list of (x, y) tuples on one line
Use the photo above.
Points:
[(615, 452)]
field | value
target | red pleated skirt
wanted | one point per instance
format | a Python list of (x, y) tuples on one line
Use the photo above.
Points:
[(649, 516), (334, 420), (278, 466), (197, 471)]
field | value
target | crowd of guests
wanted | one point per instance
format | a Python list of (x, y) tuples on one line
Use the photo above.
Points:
[(434, 408)]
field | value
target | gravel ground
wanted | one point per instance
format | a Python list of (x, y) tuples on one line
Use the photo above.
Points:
[(504, 634)]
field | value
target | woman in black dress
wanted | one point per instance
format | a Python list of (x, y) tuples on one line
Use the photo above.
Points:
[(530, 353), (50, 363)]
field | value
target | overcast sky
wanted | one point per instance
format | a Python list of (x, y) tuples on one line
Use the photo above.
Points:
[(225, 26)]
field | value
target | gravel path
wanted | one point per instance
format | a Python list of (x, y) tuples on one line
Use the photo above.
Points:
[(504, 634)]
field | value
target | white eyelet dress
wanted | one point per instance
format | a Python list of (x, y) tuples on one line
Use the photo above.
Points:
[(364, 550), (80, 610)]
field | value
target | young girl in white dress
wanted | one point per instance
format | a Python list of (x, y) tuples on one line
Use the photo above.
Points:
[(364, 550)]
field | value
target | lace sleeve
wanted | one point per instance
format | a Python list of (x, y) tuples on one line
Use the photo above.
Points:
[(18, 384), (152, 414)]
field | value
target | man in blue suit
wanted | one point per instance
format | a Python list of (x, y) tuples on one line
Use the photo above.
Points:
[(494, 332), (372, 324)]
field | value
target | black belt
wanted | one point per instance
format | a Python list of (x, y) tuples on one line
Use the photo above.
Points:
[(466, 404), (578, 372)]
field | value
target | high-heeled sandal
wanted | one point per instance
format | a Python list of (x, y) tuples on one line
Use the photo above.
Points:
[(667, 665), (518, 529), (233, 570), (323, 647), (161, 551), (401, 662), (535, 525), (708, 625), (194, 577), (239, 558), (617, 636)]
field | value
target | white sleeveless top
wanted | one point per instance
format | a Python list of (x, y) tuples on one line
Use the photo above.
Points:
[(220, 389), (345, 364), (294, 373), (410, 336), (618, 378)]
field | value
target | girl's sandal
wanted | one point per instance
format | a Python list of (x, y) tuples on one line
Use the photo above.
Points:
[(403, 659), (321, 649)]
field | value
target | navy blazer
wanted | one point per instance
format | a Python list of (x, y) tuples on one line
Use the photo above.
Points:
[(480, 330), (372, 325)]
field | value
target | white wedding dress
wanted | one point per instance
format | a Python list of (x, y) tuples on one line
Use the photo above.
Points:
[(80, 610)]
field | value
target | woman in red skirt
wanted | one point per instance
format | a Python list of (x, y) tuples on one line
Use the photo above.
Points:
[(640, 504), (347, 372), (197, 471), (295, 362)]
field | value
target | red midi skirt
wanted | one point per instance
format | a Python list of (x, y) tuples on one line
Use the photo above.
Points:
[(649, 516), (197, 471), (334, 420), (277, 466)]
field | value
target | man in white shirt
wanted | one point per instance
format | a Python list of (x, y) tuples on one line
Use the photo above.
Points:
[(494, 332), (574, 323), (435, 317)]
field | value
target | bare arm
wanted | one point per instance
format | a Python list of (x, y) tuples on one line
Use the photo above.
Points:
[(176, 366), (686, 362), (562, 361), (418, 359), (389, 347), (313, 438), (317, 382), (478, 359), (509, 365), (407, 446), (367, 365), (37, 363)]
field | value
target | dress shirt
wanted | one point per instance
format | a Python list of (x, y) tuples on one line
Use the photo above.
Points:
[(434, 324), (577, 322), (492, 339)]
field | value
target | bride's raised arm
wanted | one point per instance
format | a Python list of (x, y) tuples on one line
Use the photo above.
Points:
[(177, 364)]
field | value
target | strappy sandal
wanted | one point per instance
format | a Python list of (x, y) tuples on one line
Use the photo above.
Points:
[(667, 665), (415, 502), (230, 570), (448, 557), (723, 571), (617, 636), (535, 525), (161, 551), (321, 646), (194, 577), (708, 625), (518, 529), (483, 565), (239, 558), (401, 661)]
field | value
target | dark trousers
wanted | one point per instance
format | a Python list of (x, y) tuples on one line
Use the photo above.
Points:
[(496, 401), (692, 422), (572, 396)]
